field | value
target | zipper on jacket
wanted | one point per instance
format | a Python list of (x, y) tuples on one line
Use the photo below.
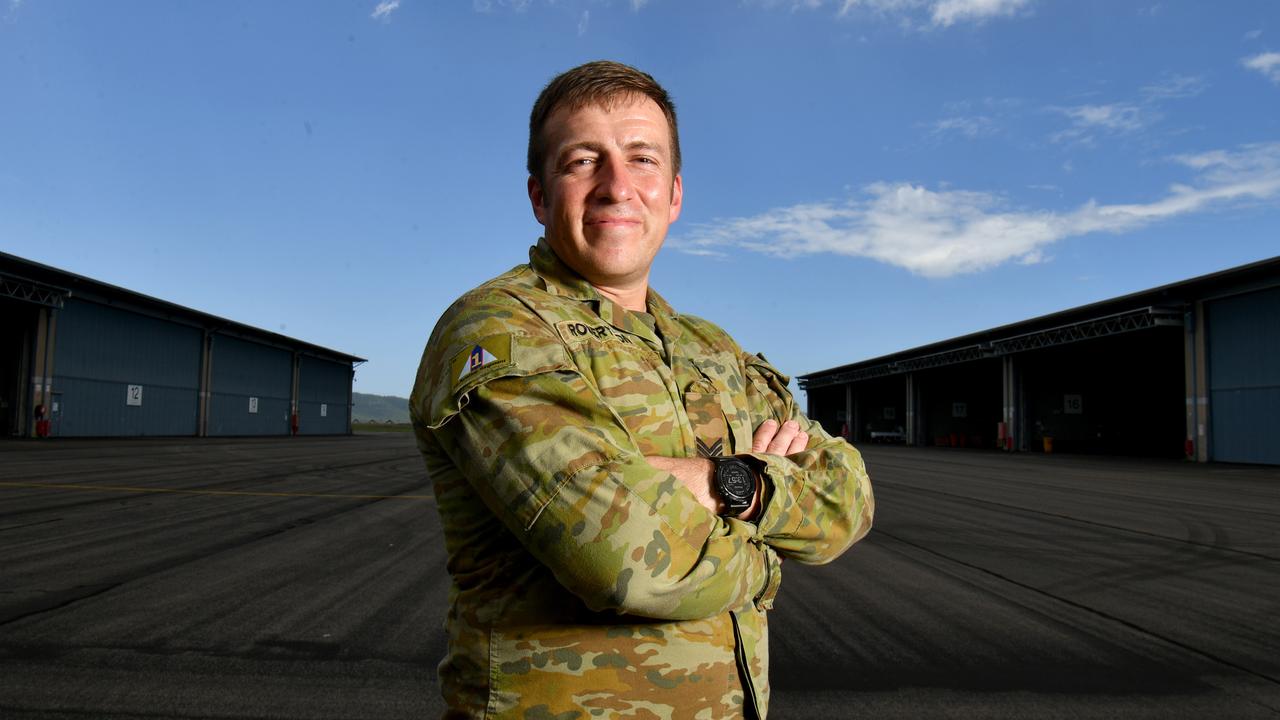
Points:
[(749, 708)]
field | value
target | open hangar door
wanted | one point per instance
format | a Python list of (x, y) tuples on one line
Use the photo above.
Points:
[(17, 336), (1244, 377), (1121, 394), (873, 410), (827, 407), (960, 404), (880, 410)]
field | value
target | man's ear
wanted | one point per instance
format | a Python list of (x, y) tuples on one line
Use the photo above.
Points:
[(538, 199), (677, 197)]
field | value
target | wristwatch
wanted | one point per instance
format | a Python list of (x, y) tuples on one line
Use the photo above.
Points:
[(735, 481)]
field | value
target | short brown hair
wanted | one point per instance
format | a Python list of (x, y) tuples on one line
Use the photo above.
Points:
[(600, 82)]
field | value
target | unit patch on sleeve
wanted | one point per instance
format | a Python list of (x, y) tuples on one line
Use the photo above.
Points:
[(486, 353)]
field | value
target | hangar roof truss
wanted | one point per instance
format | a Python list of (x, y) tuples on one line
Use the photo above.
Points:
[(19, 288), (1090, 329)]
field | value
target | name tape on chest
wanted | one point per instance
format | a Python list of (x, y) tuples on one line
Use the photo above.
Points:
[(571, 331)]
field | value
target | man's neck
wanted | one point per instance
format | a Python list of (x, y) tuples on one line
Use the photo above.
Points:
[(634, 298)]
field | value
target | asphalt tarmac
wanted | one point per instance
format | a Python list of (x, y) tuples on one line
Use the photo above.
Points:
[(304, 578)]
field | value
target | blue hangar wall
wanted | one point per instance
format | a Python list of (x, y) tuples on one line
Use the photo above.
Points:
[(1190, 369), (82, 358)]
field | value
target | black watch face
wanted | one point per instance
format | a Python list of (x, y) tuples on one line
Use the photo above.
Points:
[(736, 480)]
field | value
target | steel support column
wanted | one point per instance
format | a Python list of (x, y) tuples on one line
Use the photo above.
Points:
[(856, 433), (1197, 386), (849, 414), (202, 407), (293, 393), (42, 365), (351, 407), (912, 437), (1011, 415)]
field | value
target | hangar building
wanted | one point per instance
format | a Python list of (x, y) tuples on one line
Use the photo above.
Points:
[(1188, 369), (81, 358)]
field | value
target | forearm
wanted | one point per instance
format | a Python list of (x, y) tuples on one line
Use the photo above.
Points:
[(696, 475), (820, 499), (821, 502)]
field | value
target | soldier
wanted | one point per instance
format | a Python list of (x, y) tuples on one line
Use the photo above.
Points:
[(618, 482)]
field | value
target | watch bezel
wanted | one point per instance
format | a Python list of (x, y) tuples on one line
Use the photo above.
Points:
[(730, 472)]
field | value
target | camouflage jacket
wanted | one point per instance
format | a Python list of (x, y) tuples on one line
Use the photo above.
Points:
[(585, 582)]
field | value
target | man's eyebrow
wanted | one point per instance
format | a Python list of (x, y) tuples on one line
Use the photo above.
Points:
[(592, 146), (583, 145)]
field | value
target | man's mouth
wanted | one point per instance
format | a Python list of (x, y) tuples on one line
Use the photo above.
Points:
[(612, 221)]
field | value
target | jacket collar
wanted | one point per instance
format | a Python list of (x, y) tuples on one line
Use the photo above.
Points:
[(561, 280)]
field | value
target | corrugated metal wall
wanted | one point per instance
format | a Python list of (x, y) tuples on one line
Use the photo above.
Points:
[(323, 389), (249, 388), (101, 351), (1244, 377)]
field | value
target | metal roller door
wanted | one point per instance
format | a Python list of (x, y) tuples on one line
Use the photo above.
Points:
[(249, 388), (323, 393), (120, 373), (1244, 377)]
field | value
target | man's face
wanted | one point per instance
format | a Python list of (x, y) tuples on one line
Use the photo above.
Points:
[(609, 189)]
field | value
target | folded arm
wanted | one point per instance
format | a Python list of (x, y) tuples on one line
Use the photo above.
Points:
[(819, 500), (556, 465)]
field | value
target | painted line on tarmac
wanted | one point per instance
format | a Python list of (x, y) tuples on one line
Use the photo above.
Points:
[(123, 488)]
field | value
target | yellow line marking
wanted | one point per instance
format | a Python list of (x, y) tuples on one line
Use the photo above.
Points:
[(122, 488)]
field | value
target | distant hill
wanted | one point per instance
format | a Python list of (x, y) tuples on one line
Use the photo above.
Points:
[(379, 408)]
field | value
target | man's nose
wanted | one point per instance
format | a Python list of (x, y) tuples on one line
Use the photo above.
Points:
[(613, 180)]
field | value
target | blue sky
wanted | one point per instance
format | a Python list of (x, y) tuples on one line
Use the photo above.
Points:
[(861, 176)]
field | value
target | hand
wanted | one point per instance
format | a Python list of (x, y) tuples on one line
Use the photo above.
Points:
[(786, 439)]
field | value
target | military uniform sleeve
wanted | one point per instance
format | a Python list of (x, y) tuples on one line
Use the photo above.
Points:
[(819, 500), (553, 462)]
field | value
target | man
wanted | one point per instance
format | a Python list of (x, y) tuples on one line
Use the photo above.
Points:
[(618, 482)]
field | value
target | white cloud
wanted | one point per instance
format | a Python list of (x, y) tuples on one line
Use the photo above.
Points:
[(384, 9), (1175, 87), (939, 233), (948, 12), (486, 6), (583, 22), (1253, 34), (637, 5), (942, 13), (1118, 116), (970, 126), (1115, 118), (882, 6), (1266, 63)]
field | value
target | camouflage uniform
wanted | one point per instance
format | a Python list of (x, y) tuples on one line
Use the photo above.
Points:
[(586, 583)]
